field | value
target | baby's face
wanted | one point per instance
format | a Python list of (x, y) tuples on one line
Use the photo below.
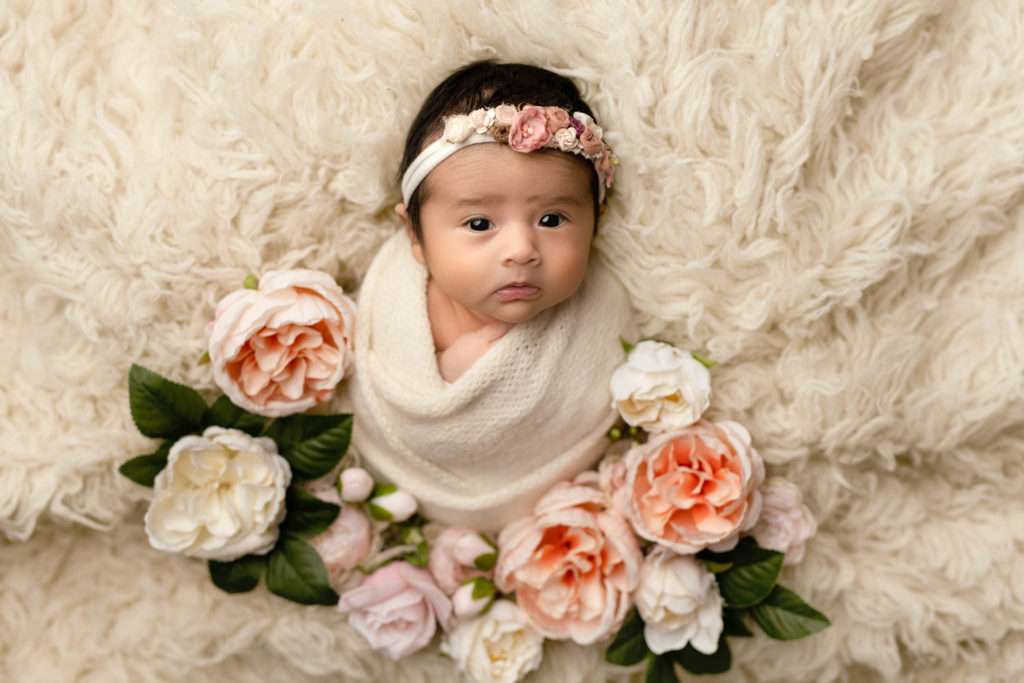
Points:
[(496, 216)]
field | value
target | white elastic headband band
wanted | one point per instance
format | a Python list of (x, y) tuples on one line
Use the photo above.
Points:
[(436, 152)]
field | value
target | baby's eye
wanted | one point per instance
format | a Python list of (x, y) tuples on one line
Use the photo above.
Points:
[(560, 218), (477, 224)]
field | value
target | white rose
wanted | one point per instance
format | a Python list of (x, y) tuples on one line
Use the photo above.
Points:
[(220, 497), (565, 139), (498, 647), (457, 128), (660, 388), (785, 523), (355, 485), (679, 602)]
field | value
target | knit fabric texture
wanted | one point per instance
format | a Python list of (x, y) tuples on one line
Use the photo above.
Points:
[(533, 410)]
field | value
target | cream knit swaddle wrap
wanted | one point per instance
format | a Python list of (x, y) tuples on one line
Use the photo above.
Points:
[(533, 410)]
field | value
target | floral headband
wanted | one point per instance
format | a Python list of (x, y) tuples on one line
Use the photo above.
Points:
[(525, 129)]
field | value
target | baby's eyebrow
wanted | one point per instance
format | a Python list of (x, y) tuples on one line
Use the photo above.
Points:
[(488, 199)]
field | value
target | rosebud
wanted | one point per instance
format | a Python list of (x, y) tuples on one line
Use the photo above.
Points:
[(355, 485), (473, 551), (472, 598), (395, 506)]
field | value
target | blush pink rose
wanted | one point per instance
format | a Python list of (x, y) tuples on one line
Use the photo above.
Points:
[(452, 555), (557, 119), (529, 130), (347, 541), (591, 140), (282, 348), (695, 488), (573, 563), (397, 609), (785, 523)]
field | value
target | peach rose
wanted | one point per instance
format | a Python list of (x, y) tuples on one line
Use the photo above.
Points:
[(590, 141), (397, 609), (283, 348), (573, 563), (695, 488), (529, 131), (557, 119)]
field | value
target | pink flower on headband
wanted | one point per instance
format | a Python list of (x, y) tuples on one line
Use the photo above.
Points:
[(558, 119), (590, 141), (606, 168), (529, 130)]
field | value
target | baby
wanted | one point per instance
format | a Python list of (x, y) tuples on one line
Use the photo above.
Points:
[(486, 335)]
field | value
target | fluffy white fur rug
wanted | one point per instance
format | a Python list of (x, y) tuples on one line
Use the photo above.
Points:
[(826, 197)]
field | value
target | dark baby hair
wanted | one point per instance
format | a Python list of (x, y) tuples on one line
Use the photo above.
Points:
[(486, 83)]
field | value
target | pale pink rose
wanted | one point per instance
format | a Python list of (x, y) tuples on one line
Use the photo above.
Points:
[(529, 130), (573, 563), (283, 348), (785, 523), (557, 119), (451, 557), (482, 119), (347, 541), (397, 609), (695, 488), (590, 141)]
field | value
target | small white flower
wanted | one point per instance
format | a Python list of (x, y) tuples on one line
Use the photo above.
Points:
[(471, 548), (457, 128), (660, 388), (220, 497), (565, 139), (498, 647), (356, 484), (396, 506), (785, 523), (678, 600)]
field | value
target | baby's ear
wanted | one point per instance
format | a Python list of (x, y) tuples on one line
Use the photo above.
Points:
[(417, 248)]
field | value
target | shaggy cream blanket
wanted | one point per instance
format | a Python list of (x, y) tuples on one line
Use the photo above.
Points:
[(532, 411), (825, 197)]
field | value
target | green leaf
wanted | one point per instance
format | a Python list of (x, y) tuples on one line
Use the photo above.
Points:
[(298, 574), (733, 623), (312, 444), (224, 413), (144, 468), (628, 647), (660, 669), (163, 409), (706, 362), (752, 576), (482, 588), (419, 557), (696, 662), (717, 567), (307, 515), (626, 345), (485, 562), (785, 616), (238, 576), (379, 513), (383, 490)]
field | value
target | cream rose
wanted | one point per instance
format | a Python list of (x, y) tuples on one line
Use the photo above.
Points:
[(695, 488), (397, 609), (679, 602), (660, 387), (785, 523), (566, 139), (220, 497), (499, 647), (283, 348), (573, 563)]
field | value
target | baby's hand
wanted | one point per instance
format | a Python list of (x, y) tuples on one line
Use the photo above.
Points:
[(457, 358)]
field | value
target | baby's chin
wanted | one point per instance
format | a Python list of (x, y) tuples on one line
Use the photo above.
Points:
[(515, 312)]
